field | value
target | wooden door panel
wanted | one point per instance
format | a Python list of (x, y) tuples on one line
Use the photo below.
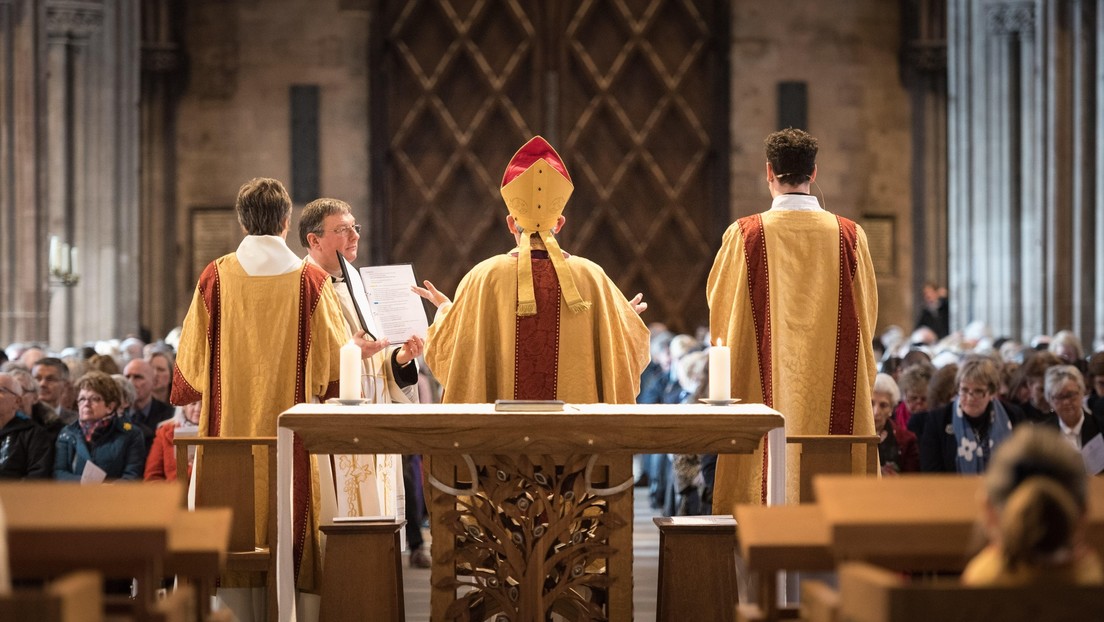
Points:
[(627, 91)]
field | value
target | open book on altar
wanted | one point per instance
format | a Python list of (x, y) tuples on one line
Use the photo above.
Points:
[(386, 306)]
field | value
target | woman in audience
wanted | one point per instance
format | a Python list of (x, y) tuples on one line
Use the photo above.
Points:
[(100, 435), (1036, 492), (1065, 390), (1036, 408), (897, 450), (961, 436), (127, 392), (161, 462), (162, 363), (1095, 378), (913, 384), (104, 363), (1067, 347), (941, 390)]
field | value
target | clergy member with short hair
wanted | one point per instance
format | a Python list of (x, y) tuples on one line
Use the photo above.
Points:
[(263, 333), (792, 291), (537, 323)]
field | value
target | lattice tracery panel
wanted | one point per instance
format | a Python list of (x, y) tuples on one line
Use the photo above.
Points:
[(627, 92)]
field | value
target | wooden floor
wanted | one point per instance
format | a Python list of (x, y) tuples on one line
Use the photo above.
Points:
[(645, 569)]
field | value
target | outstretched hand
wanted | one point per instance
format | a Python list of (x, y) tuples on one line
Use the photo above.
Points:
[(367, 347), (638, 304), (410, 350), (430, 293)]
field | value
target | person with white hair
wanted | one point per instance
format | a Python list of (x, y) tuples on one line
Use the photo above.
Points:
[(1065, 390), (897, 450), (26, 449)]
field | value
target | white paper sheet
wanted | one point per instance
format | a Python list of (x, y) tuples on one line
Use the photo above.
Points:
[(92, 474), (395, 309), (1093, 455)]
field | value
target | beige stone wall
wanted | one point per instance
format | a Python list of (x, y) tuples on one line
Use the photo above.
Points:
[(847, 53), (234, 120)]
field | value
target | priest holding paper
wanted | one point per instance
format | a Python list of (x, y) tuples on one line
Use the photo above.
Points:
[(792, 296), (368, 485), (537, 323)]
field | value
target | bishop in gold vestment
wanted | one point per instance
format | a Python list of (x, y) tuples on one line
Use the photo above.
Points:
[(792, 291), (537, 323)]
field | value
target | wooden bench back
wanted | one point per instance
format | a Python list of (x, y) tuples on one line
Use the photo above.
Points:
[(836, 454), (225, 478), (75, 597), (872, 594)]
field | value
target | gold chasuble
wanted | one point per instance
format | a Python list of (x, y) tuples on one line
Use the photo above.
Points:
[(252, 347), (481, 350), (793, 293)]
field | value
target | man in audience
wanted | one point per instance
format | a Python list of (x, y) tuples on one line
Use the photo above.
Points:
[(52, 376), (537, 323), (792, 291), (146, 412), (32, 407), (262, 334), (26, 449)]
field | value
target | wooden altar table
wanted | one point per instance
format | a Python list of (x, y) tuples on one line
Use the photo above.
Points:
[(483, 440)]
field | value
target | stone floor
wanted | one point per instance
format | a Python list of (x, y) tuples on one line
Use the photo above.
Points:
[(645, 569)]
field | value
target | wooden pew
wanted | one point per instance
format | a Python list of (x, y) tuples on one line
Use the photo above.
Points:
[(120, 530), (711, 545), (197, 552), (871, 594), (778, 538), (73, 597)]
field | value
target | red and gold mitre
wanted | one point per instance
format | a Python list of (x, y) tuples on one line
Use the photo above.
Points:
[(536, 187)]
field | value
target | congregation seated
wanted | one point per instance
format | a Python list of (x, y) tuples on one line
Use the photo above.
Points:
[(161, 461), (101, 435), (1035, 506), (897, 451), (1094, 378), (961, 436), (26, 450)]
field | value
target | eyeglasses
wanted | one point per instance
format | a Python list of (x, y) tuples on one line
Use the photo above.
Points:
[(91, 399), (976, 393), (347, 230), (1061, 397), (7, 390)]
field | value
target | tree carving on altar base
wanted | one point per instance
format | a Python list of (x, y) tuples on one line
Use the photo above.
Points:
[(531, 539)]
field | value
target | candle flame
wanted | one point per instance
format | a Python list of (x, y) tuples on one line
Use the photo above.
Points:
[(720, 342)]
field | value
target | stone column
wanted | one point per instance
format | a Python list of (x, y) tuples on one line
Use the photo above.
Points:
[(68, 27), (924, 72), (160, 90), (23, 293), (1025, 199)]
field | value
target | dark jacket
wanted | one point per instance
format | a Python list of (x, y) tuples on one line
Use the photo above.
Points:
[(937, 444), (159, 411), (26, 450), (1090, 428), (118, 449)]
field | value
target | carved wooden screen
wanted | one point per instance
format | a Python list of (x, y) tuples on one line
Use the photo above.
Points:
[(633, 95)]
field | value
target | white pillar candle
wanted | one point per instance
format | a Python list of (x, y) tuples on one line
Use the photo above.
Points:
[(350, 372), (55, 254), (73, 270), (720, 377)]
